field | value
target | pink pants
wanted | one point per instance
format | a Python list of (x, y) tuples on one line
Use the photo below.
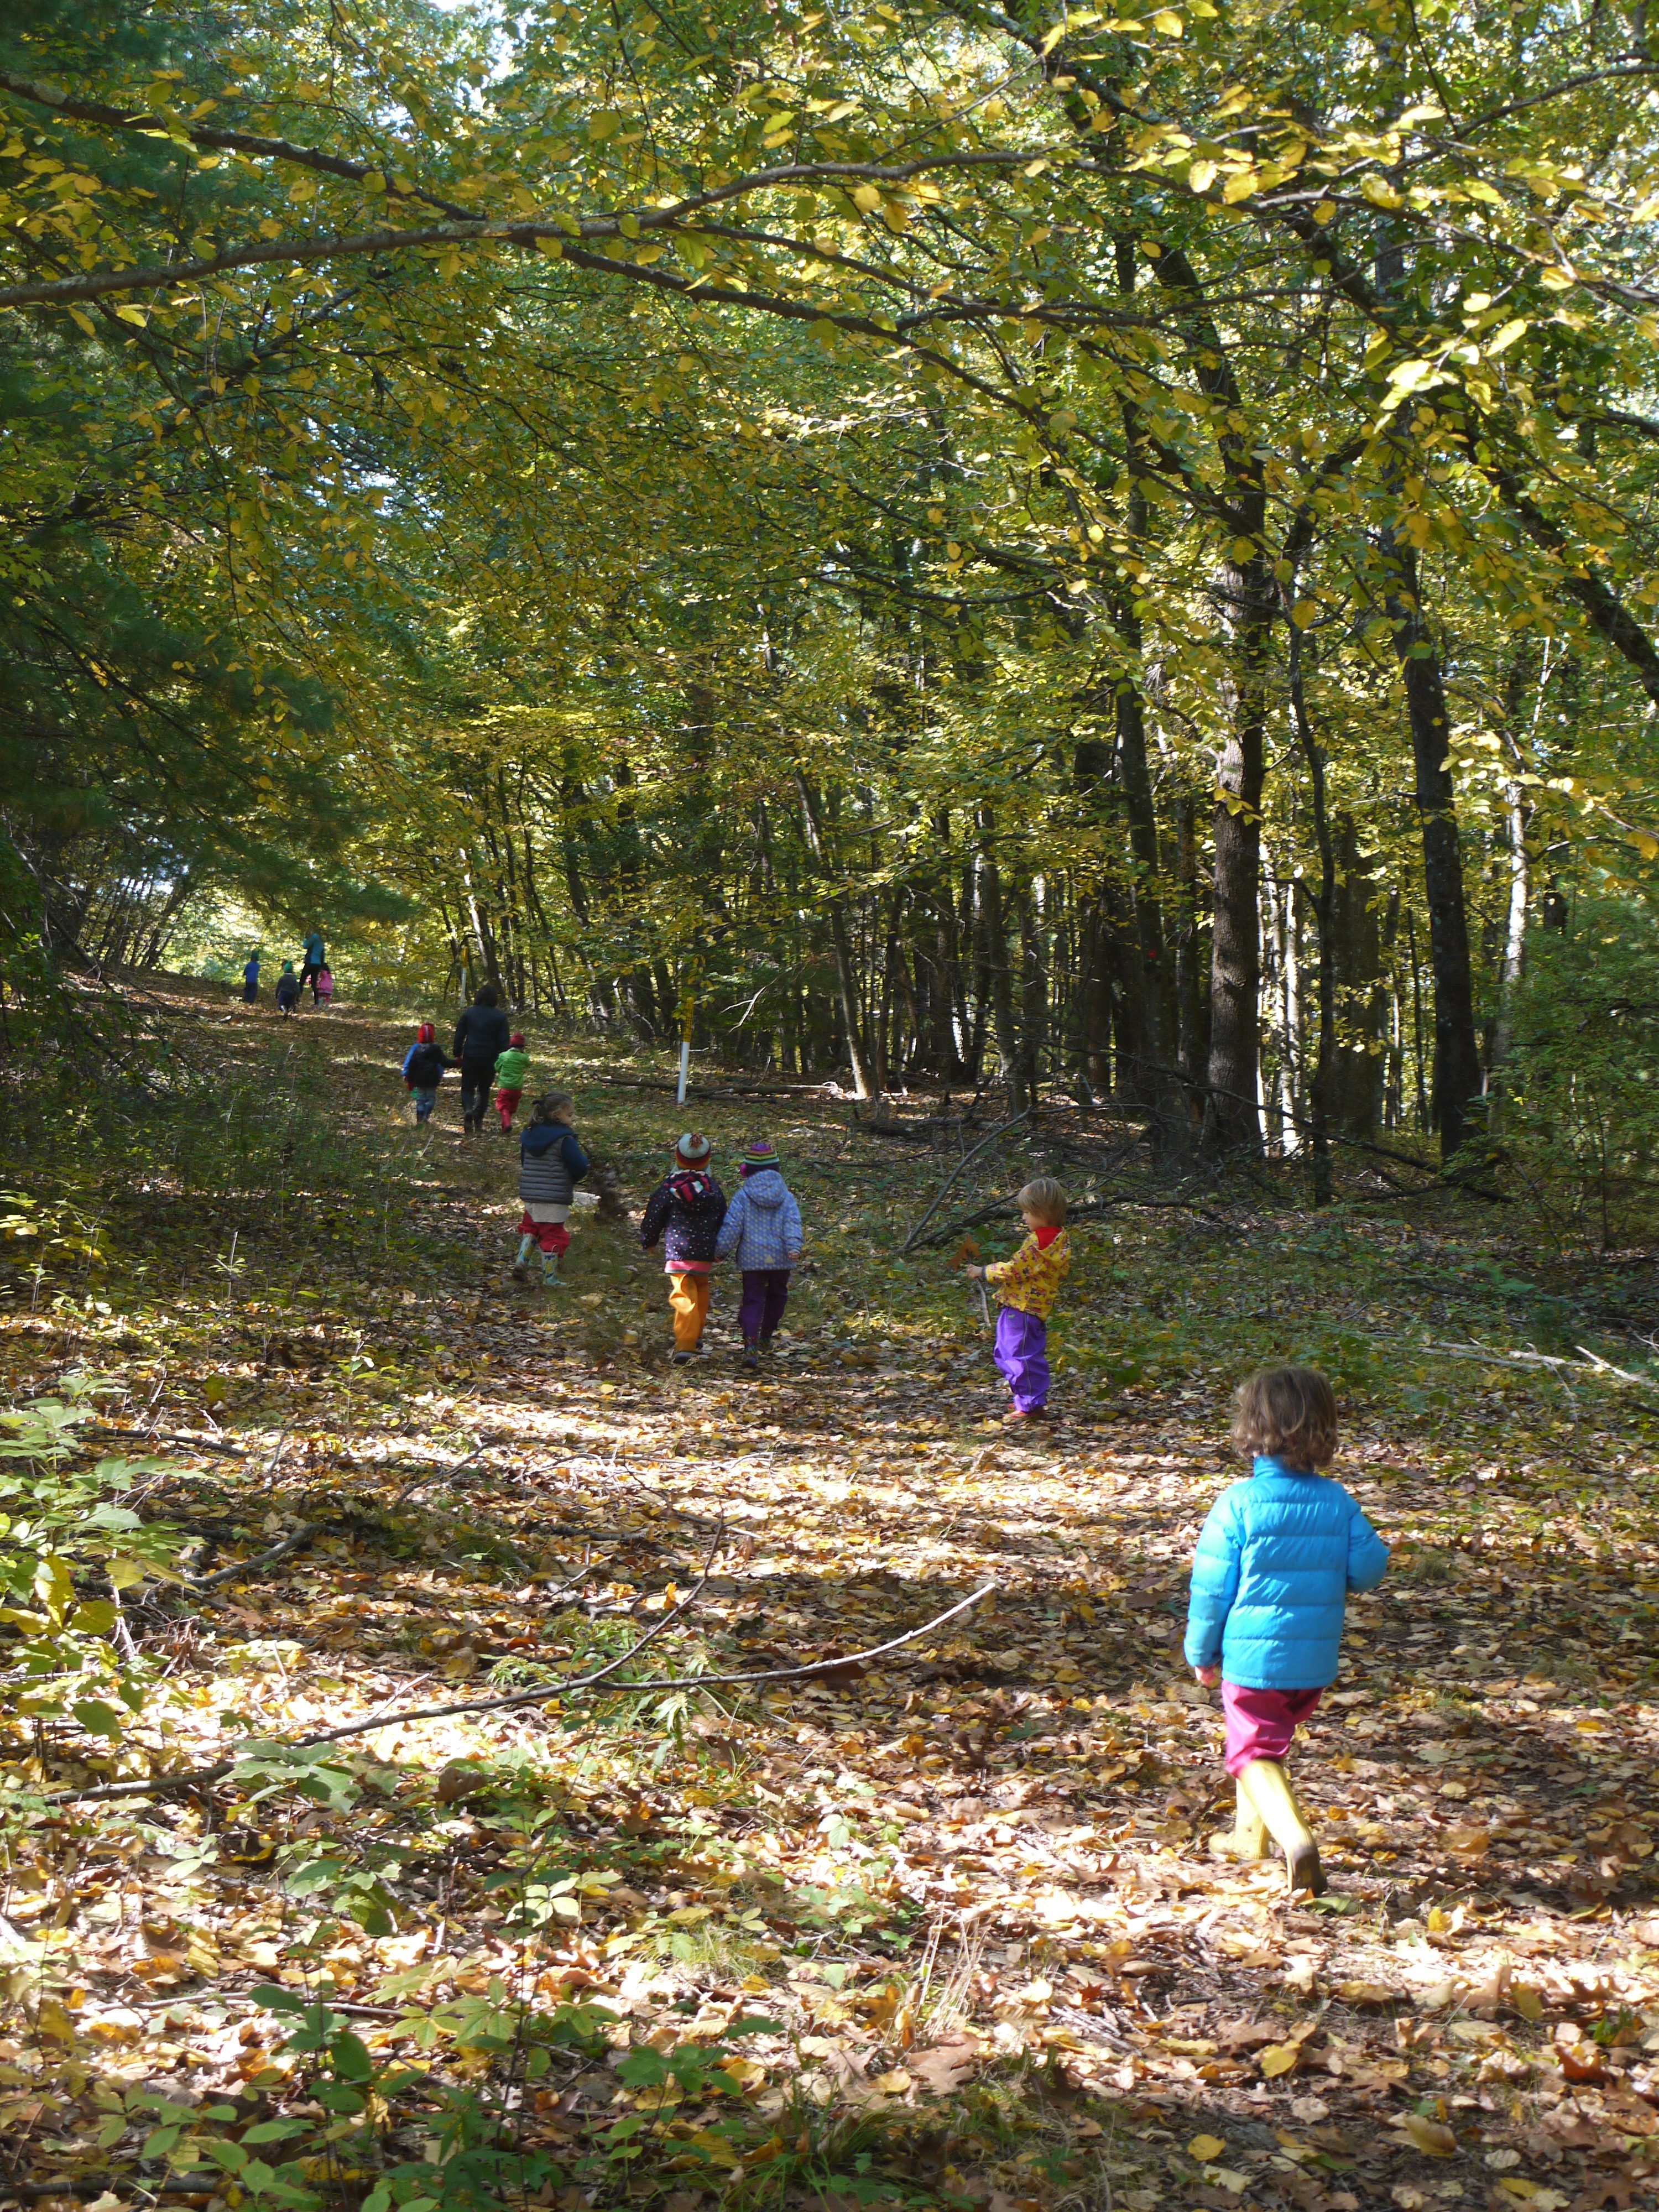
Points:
[(1260, 1722)]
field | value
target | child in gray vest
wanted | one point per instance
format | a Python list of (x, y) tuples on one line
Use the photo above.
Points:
[(551, 1162)]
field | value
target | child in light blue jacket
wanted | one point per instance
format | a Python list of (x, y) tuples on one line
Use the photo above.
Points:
[(762, 1228), (1276, 1559)]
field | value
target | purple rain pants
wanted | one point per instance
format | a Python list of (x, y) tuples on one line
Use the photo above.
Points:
[(765, 1294), (1022, 1354)]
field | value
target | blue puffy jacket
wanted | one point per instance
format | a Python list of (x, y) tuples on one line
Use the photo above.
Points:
[(1275, 1561)]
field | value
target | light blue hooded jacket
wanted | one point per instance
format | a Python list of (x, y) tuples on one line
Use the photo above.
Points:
[(1276, 1559), (761, 1223)]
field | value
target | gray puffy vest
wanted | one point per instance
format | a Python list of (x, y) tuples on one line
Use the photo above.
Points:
[(543, 1178)]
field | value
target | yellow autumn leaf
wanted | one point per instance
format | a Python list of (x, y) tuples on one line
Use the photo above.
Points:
[(1433, 2137), (1238, 187), (867, 198), (1303, 612), (1204, 2149), (1201, 176), (1279, 2058), (1167, 21)]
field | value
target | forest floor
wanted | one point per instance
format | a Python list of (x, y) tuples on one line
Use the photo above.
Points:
[(938, 1928)]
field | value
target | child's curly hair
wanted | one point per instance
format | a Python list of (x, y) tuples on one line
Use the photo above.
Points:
[(1286, 1413), (1046, 1200), (551, 1103)]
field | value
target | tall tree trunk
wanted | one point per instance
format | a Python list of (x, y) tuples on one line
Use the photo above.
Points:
[(1192, 999), (481, 931), (1094, 996), (1325, 912), (1356, 1085), (841, 941), (995, 936), (1457, 1072), (1033, 993), (1232, 1115), (1421, 1063)]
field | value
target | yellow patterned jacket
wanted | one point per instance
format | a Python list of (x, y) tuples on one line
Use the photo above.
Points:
[(1031, 1279)]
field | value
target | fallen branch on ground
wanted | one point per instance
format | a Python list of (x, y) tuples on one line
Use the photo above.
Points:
[(203, 1778)]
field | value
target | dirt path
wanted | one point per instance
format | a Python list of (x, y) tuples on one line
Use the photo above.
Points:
[(963, 1890)]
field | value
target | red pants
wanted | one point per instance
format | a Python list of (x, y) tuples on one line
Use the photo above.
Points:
[(1260, 1722), (506, 1105), (552, 1235)]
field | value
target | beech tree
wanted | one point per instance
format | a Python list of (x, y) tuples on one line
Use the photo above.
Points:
[(997, 546)]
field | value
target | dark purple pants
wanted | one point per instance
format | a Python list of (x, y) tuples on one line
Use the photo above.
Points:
[(1022, 1354), (765, 1294)]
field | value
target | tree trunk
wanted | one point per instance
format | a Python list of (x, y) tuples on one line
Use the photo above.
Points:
[(1356, 1085), (1325, 912), (841, 940), (995, 956), (1457, 1073), (1034, 995), (1231, 1115), (1192, 1000)]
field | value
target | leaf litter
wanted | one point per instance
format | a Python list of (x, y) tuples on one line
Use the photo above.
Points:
[(937, 1928)]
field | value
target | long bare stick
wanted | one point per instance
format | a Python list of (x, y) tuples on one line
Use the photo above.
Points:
[(1000, 1130), (200, 1777)]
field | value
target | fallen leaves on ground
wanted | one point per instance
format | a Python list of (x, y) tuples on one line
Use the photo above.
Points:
[(780, 1934)]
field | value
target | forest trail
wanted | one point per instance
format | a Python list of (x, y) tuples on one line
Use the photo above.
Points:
[(937, 1929)]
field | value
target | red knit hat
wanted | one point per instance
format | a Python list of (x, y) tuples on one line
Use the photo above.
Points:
[(517, 1037), (693, 1149), (426, 1034)]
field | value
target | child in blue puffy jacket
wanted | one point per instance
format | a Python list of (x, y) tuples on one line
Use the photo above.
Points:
[(1276, 1559)]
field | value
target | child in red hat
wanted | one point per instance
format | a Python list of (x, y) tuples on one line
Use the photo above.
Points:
[(423, 1070)]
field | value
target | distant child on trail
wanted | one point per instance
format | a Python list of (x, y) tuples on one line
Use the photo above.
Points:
[(762, 1228), (1028, 1286), (551, 1162), (288, 990), (686, 1210), (423, 1070), (322, 990), (1276, 1559), (511, 1068), (250, 981), (315, 959)]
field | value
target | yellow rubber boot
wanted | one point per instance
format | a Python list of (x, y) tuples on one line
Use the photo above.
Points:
[(1247, 1839), (1265, 1783)]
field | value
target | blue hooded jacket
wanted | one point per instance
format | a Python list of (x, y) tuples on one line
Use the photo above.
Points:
[(761, 1223), (1276, 1559)]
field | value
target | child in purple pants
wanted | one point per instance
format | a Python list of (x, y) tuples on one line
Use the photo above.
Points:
[(1027, 1287), (762, 1228)]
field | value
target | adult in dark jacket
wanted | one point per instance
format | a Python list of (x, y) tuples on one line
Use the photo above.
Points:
[(482, 1035), (686, 1210)]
